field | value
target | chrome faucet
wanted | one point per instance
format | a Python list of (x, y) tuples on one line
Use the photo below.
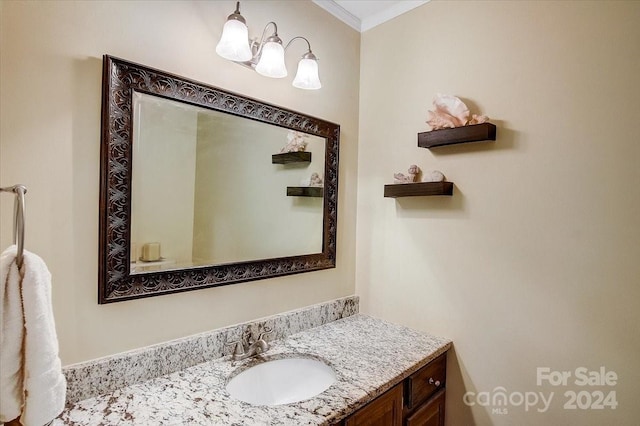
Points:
[(247, 346)]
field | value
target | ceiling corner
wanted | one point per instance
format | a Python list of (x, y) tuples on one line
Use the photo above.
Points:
[(362, 15), (341, 13)]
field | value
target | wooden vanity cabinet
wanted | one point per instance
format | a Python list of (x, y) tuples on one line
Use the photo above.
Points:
[(385, 410), (429, 414), (416, 401)]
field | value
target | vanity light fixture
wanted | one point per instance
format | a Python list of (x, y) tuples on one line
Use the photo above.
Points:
[(266, 56)]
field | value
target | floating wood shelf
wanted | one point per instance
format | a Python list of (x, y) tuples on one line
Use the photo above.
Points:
[(305, 191), (418, 189), (472, 133), (291, 157)]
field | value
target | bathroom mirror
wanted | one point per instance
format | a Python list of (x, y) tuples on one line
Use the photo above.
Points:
[(196, 193)]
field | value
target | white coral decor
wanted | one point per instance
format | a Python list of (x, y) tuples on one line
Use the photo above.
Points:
[(295, 142)]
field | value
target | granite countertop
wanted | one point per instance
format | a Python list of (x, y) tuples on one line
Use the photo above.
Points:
[(369, 356)]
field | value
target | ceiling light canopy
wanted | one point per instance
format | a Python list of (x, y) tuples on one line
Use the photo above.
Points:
[(267, 55)]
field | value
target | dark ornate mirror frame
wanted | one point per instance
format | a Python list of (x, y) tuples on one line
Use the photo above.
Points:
[(116, 283)]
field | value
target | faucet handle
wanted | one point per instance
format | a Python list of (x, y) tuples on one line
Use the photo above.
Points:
[(247, 337), (266, 331)]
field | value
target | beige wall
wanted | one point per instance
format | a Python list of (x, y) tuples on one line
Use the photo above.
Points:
[(534, 262), (242, 211), (164, 144), (50, 73)]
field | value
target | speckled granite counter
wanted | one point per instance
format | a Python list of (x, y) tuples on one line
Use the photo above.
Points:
[(105, 375), (368, 355)]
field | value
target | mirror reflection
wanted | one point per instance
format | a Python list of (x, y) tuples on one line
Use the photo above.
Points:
[(207, 188)]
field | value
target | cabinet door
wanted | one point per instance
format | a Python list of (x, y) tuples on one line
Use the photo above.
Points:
[(386, 410), (430, 414)]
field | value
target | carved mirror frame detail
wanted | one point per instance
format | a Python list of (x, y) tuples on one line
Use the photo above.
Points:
[(116, 283)]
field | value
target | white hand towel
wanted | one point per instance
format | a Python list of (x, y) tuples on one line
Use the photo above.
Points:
[(11, 335), (40, 383)]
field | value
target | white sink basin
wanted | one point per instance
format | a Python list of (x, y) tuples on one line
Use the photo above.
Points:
[(282, 381)]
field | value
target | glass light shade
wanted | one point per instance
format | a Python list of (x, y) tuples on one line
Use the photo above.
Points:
[(234, 43), (307, 75), (271, 62)]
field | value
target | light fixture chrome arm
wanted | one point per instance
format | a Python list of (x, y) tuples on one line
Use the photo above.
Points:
[(262, 40), (309, 54), (296, 38)]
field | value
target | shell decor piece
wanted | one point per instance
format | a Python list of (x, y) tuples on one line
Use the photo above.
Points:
[(296, 142), (434, 176), (478, 119), (411, 176), (315, 180), (449, 112)]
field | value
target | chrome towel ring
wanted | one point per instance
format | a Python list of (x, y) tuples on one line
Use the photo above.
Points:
[(18, 219)]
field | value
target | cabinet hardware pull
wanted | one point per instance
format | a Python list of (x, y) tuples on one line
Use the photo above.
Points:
[(436, 383)]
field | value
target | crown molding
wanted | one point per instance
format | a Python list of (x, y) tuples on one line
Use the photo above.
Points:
[(391, 12), (341, 13), (370, 21)]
